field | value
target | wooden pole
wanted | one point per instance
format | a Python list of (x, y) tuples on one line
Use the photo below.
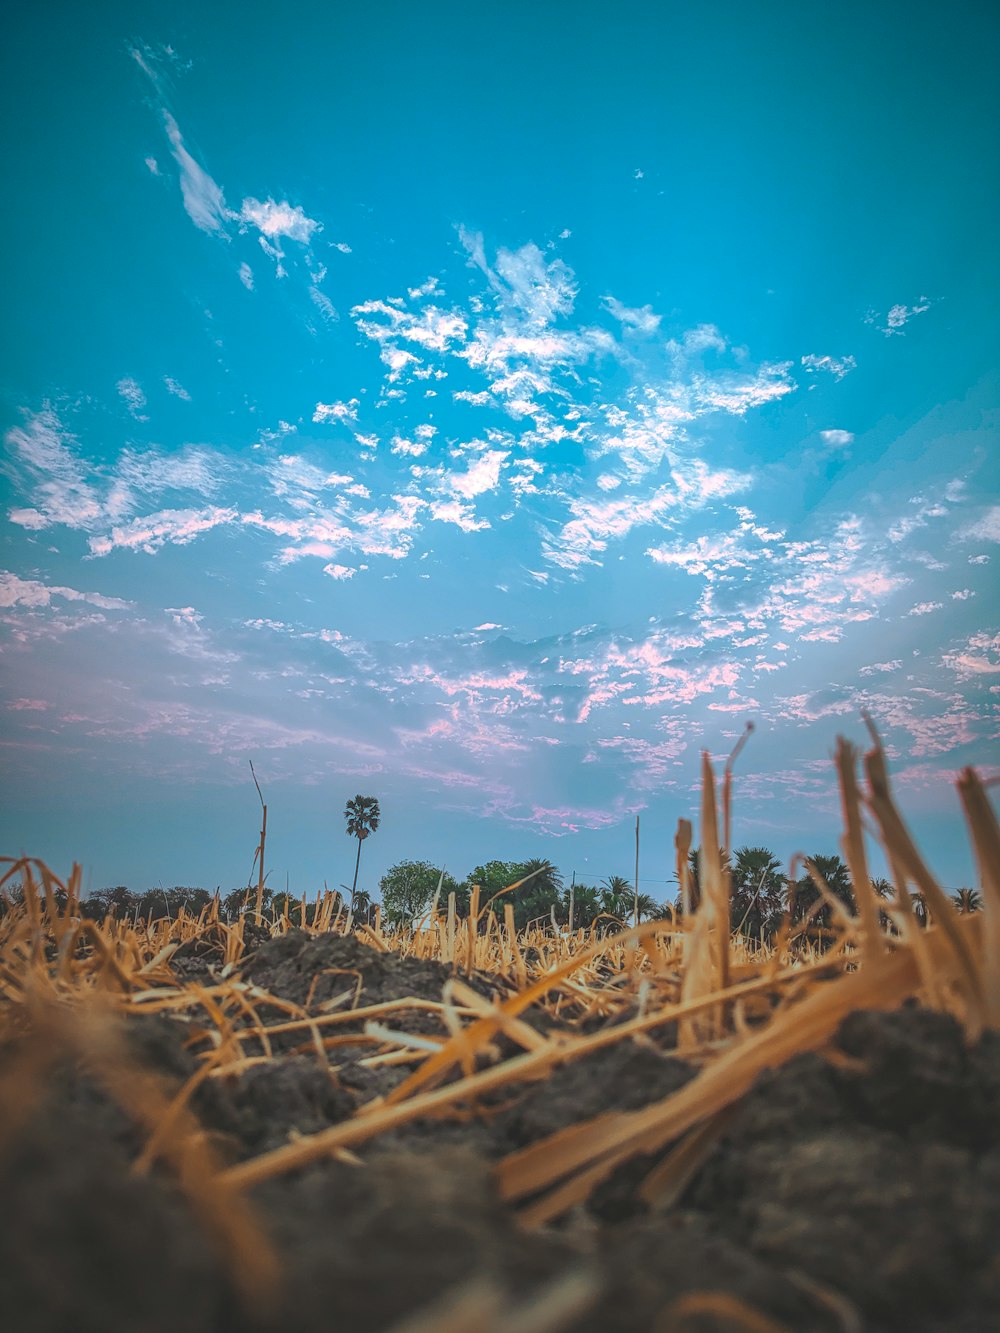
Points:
[(636, 921)]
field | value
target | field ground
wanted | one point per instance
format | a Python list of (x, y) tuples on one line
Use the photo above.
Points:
[(255, 1126)]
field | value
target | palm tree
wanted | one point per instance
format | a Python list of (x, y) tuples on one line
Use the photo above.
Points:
[(651, 909), (362, 905), (758, 890), (837, 879), (694, 874), (967, 900), (540, 894), (617, 896), (362, 815)]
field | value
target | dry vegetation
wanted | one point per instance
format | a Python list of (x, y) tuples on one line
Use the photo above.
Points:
[(514, 1008)]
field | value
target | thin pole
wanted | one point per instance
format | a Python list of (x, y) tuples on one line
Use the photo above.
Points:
[(636, 870), (572, 890), (263, 840)]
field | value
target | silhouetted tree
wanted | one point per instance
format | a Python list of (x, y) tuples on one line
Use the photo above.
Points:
[(362, 905), (650, 909), (837, 879), (967, 900), (362, 814)]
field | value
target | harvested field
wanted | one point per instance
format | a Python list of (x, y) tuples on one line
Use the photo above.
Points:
[(260, 1126)]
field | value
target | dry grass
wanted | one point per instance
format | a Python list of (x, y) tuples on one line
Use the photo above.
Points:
[(739, 1009)]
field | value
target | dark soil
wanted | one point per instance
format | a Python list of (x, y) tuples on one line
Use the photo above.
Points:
[(858, 1194)]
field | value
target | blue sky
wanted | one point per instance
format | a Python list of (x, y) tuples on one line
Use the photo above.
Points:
[(487, 412)]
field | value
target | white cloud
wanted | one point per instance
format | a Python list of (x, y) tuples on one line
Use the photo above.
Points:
[(175, 527), (323, 304), (837, 367), (58, 483), (246, 276), (702, 338), (132, 393), (178, 390), (339, 571), (153, 165), (979, 657), (462, 515), (274, 220), (837, 439), (482, 476), (877, 668), (985, 529), (897, 317), (15, 591), (924, 608), (409, 448), (203, 199), (642, 319), (337, 411)]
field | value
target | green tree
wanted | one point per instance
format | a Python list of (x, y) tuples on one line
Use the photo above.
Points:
[(758, 891), (532, 900), (836, 876), (967, 900), (618, 897), (408, 889), (586, 905), (362, 814)]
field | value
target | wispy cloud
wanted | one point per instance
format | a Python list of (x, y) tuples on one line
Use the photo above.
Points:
[(204, 201), (838, 367), (131, 393), (897, 317), (986, 529), (15, 591), (642, 319)]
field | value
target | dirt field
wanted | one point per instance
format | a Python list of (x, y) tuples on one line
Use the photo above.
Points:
[(854, 1189)]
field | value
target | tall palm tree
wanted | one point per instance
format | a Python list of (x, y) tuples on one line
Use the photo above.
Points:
[(362, 815), (967, 900), (758, 890)]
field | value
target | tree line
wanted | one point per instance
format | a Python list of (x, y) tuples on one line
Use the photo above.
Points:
[(760, 893)]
